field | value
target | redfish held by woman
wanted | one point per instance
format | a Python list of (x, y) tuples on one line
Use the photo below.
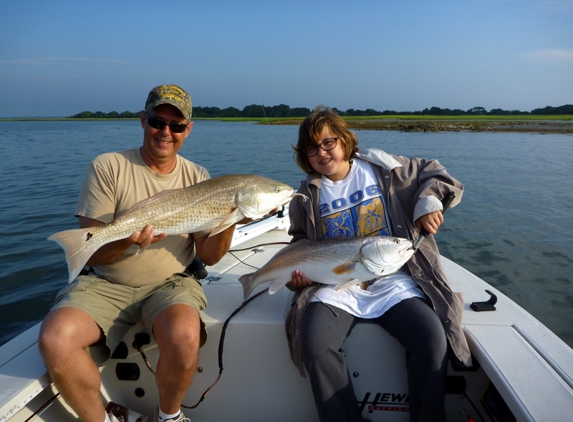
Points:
[(209, 206), (341, 261)]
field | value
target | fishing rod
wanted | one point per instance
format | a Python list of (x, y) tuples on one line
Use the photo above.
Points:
[(450, 196)]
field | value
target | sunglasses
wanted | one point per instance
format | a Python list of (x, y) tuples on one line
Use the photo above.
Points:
[(157, 123)]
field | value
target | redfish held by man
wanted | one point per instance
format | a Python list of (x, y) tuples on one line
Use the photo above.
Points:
[(341, 261), (209, 206)]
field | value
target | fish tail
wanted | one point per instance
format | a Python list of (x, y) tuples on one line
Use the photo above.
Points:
[(246, 281), (77, 247)]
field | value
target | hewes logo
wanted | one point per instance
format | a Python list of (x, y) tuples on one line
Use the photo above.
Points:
[(389, 402)]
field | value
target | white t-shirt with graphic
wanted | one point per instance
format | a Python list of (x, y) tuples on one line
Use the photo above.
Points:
[(354, 207)]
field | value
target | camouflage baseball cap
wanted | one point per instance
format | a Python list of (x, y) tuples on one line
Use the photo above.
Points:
[(170, 94)]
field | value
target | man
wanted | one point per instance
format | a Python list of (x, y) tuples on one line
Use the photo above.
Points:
[(93, 313)]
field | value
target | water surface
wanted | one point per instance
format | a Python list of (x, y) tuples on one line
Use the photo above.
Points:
[(513, 227)]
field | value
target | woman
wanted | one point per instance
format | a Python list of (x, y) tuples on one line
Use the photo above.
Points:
[(371, 193)]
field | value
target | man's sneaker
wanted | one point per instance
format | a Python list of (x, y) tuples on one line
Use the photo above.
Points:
[(180, 418), (114, 418)]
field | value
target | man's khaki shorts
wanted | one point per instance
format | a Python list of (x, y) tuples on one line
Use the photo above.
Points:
[(116, 308)]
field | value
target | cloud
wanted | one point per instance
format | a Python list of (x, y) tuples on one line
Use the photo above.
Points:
[(48, 61), (549, 55)]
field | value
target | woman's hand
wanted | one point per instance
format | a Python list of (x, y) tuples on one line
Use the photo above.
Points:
[(430, 222), (298, 280)]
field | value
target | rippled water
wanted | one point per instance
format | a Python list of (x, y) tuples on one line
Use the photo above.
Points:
[(513, 227)]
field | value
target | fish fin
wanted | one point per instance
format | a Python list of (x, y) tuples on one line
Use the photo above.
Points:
[(344, 268), (245, 280), (77, 247), (231, 219), (275, 286), (140, 250), (346, 285)]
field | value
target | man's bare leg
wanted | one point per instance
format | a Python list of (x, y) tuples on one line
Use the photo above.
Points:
[(177, 332), (65, 334)]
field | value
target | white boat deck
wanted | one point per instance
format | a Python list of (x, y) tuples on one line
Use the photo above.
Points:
[(22, 373), (537, 373)]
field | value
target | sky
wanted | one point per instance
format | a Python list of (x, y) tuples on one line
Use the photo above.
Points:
[(59, 58)]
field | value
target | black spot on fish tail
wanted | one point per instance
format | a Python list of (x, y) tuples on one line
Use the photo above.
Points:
[(88, 236)]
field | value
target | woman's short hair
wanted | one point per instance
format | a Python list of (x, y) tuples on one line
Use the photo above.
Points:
[(311, 128)]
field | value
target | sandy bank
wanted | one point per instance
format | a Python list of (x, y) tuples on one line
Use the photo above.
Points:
[(538, 126)]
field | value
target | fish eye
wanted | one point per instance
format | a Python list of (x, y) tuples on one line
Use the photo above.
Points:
[(396, 240)]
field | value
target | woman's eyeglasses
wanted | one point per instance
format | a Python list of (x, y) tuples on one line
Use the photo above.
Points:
[(157, 123), (326, 145)]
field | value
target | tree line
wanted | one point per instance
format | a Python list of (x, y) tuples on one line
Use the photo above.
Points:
[(282, 110)]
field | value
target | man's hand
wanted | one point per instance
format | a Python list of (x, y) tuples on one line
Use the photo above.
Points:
[(113, 250), (145, 237)]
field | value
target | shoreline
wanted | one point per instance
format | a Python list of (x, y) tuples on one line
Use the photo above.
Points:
[(442, 125)]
